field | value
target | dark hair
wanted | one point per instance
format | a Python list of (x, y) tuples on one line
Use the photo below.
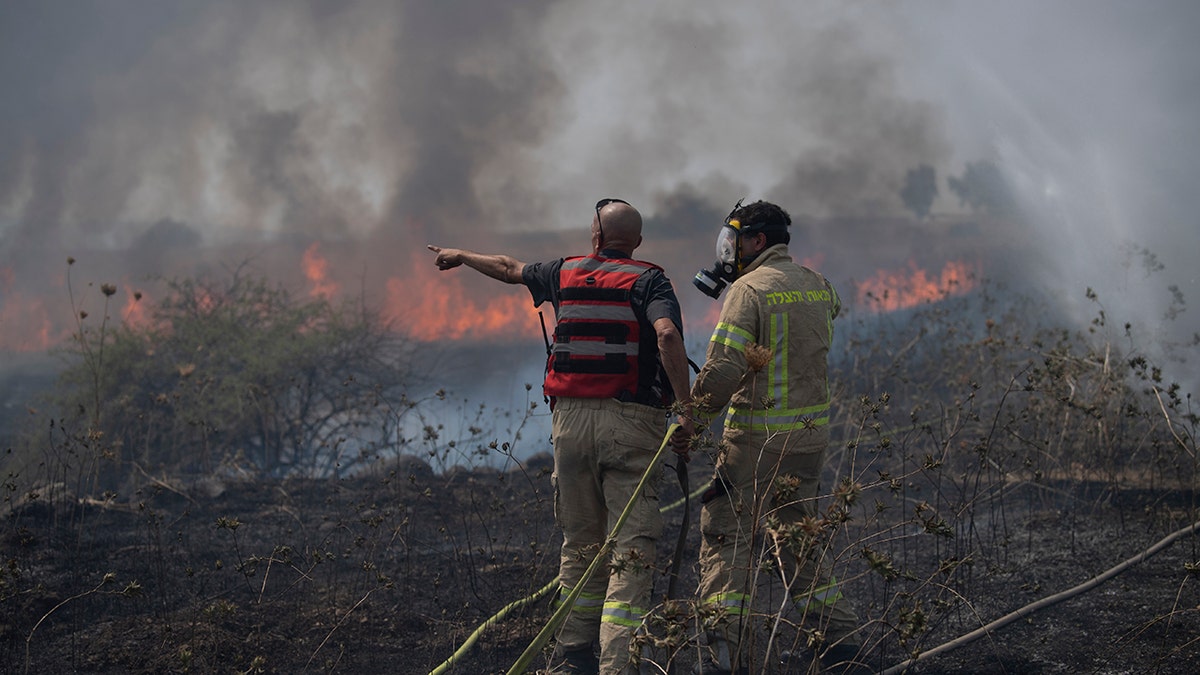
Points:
[(767, 218)]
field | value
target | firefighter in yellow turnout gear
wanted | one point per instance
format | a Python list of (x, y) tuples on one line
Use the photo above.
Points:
[(767, 362)]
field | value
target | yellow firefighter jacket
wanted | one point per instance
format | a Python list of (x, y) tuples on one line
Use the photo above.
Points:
[(787, 309)]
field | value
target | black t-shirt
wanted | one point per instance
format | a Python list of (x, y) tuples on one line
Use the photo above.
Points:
[(652, 298)]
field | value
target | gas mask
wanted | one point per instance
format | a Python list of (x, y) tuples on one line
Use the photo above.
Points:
[(728, 266)]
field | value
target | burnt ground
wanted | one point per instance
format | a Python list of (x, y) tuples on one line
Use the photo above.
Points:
[(392, 573)]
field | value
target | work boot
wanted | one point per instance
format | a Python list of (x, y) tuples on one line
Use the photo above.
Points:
[(843, 659), (579, 661)]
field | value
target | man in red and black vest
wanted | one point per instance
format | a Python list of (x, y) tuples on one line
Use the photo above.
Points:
[(617, 364)]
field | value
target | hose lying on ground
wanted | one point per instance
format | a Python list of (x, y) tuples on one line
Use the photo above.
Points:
[(497, 618), (1044, 602)]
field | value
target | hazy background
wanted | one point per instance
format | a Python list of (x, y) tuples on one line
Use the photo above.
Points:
[(328, 142)]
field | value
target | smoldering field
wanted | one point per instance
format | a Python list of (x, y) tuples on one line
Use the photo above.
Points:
[(984, 460)]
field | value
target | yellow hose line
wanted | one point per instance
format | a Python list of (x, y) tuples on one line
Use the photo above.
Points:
[(498, 617), (683, 500)]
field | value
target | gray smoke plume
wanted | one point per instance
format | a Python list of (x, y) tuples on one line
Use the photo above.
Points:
[(161, 136)]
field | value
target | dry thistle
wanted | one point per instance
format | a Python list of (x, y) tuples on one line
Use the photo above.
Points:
[(786, 487), (757, 356), (108, 289), (848, 491), (881, 563)]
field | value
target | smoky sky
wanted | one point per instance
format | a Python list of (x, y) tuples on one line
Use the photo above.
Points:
[(150, 128)]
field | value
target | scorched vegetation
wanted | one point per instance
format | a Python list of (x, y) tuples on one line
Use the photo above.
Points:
[(250, 482)]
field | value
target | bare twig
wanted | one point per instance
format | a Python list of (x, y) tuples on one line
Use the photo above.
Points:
[(1044, 602)]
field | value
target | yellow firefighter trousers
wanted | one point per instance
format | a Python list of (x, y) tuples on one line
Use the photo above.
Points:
[(602, 448), (727, 555)]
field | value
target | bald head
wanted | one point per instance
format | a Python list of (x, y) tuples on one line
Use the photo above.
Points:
[(617, 226)]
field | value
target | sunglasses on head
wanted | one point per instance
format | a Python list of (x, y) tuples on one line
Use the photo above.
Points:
[(601, 204)]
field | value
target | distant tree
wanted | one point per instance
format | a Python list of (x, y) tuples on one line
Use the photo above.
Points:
[(234, 369), (920, 188), (984, 188)]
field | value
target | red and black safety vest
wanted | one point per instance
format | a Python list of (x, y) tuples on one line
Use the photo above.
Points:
[(598, 341)]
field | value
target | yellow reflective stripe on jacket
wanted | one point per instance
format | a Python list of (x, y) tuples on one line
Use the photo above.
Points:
[(777, 371), (588, 603), (824, 596), (622, 614), (737, 604), (778, 419), (731, 336)]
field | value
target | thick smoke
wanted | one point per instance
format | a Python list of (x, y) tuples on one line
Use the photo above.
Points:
[(158, 136)]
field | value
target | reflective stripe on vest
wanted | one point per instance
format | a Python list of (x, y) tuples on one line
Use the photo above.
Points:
[(596, 313), (597, 339)]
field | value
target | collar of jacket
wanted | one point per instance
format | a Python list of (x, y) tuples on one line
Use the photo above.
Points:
[(771, 254), (613, 253)]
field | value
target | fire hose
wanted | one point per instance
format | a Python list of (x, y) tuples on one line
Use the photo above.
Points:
[(682, 475)]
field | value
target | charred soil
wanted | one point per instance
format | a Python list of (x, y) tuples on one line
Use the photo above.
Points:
[(393, 573)]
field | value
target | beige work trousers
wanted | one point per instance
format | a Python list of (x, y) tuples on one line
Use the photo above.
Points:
[(728, 556), (602, 448)]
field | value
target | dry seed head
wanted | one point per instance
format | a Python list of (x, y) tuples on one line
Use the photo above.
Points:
[(848, 491), (757, 356), (108, 289), (811, 526)]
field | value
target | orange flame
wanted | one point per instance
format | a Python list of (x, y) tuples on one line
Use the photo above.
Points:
[(431, 306), (25, 324), (135, 314), (887, 291), (316, 270)]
